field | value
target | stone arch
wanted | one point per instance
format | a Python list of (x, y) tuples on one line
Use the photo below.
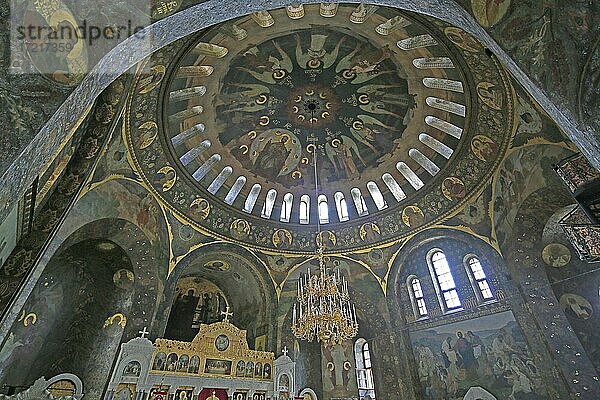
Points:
[(414, 253), (238, 274), (79, 310), (144, 257), (136, 291)]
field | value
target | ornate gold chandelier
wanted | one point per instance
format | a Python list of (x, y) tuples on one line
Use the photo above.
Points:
[(323, 308)]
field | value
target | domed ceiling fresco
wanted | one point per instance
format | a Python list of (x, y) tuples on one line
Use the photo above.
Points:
[(400, 121)]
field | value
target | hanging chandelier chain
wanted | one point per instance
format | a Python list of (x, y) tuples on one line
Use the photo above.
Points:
[(323, 309)]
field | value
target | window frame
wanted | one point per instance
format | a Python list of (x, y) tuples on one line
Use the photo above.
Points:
[(304, 209), (414, 299), (437, 285), (475, 282), (362, 369)]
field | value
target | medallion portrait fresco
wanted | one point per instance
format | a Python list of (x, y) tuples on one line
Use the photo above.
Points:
[(401, 120)]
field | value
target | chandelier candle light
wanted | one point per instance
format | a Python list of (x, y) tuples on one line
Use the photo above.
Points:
[(323, 308)]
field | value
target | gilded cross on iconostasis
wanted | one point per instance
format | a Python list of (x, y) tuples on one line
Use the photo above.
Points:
[(227, 314)]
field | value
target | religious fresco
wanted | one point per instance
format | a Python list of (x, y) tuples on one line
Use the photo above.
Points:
[(339, 379), (260, 80), (488, 352), (127, 201), (81, 313), (136, 203), (554, 42), (522, 173), (48, 217), (67, 66), (221, 272), (314, 96), (197, 301)]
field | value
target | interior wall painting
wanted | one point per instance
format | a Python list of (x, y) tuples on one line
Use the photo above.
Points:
[(8, 235), (487, 352)]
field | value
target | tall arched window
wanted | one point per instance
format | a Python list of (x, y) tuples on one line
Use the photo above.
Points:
[(359, 202), (444, 281), (394, 187), (364, 372), (251, 199), (235, 190), (220, 179), (416, 297), (304, 209), (267, 209), (376, 195), (323, 209), (286, 207), (206, 167), (341, 206), (478, 279)]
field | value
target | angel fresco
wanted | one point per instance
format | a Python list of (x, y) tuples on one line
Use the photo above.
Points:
[(316, 56), (364, 66), (364, 135), (341, 155), (265, 67), (245, 99)]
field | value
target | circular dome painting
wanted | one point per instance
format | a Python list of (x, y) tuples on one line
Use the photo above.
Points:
[(397, 120), (314, 89)]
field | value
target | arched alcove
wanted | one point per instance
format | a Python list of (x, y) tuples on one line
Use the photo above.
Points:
[(461, 344), (75, 317), (98, 288), (231, 277)]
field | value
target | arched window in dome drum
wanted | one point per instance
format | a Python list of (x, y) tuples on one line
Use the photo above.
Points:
[(341, 206), (417, 298), (182, 137), (395, 189), (359, 202), (207, 166), (251, 199), (235, 190), (220, 180), (410, 175), (376, 195), (286, 207), (443, 280), (304, 209), (267, 209), (190, 155), (323, 209), (424, 161), (478, 279), (436, 145)]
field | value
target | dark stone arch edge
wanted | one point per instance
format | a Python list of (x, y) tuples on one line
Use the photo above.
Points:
[(18, 267), (17, 178)]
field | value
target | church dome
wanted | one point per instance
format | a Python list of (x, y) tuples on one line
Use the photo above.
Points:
[(407, 118)]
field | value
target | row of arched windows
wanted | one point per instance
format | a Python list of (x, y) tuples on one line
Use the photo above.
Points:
[(445, 286)]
